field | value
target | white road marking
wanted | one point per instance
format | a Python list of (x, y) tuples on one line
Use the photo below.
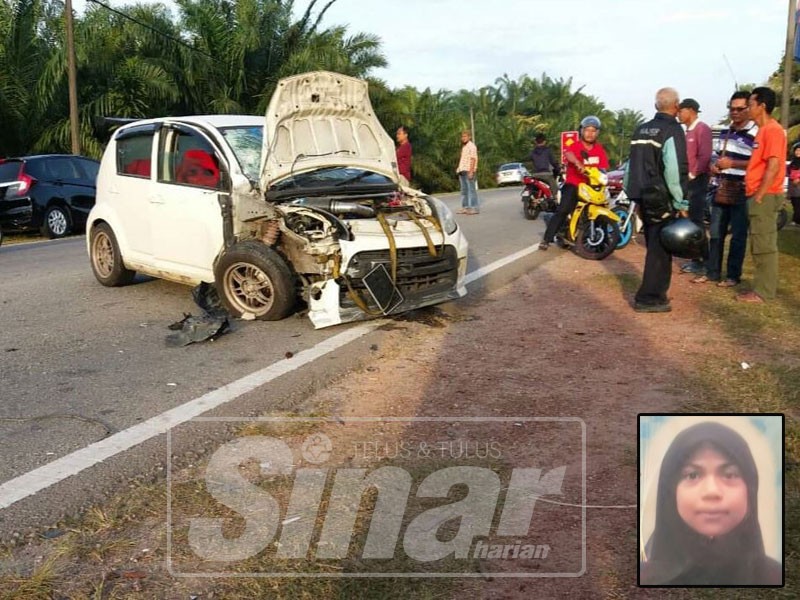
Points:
[(53, 472)]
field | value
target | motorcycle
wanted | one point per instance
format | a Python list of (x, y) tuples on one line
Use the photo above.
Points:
[(629, 221), (537, 197), (593, 228)]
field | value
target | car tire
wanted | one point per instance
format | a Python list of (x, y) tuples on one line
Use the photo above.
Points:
[(106, 258), (255, 282), (57, 222)]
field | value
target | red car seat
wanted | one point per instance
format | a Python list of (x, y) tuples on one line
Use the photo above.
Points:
[(198, 167), (140, 166)]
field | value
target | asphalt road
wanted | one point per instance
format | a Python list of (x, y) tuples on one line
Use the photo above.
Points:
[(79, 361)]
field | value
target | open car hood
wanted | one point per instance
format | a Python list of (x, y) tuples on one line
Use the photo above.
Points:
[(323, 119)]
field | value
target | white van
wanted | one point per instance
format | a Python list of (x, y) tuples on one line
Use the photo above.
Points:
[(306, 204)]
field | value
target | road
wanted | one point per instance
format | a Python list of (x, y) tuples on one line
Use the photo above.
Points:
[(80, 362)]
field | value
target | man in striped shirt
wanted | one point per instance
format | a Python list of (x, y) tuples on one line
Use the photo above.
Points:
[(467, 171), (735, 148)]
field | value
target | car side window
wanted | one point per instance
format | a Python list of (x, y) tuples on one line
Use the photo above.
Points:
[(89, 169), (134, 152), (62, 169), (188, 159)]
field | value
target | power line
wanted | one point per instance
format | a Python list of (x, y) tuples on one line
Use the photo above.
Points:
[(150, 27)]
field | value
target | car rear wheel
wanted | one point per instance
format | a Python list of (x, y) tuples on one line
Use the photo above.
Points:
[(106, 259), (57, 222), (255, 282)]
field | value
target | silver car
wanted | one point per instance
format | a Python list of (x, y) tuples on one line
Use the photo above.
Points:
[(511, 173)]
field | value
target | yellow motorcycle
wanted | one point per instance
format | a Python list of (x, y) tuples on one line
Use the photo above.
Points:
[(593, 228)]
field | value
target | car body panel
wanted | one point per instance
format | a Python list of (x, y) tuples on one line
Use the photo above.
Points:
[(324, 119)]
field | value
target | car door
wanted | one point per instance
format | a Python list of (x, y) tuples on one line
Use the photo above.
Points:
[(129, 189), (81, 188), (185, 213)]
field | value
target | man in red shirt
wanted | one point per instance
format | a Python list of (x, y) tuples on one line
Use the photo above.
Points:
[(763, 186), (403, 153), (584, 153)]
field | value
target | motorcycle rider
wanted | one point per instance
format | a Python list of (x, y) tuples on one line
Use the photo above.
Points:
[(584, 153), (545, 166)]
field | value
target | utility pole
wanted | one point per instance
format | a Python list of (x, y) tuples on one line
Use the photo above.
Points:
[(788, 63), (72, 80), (472, 124)]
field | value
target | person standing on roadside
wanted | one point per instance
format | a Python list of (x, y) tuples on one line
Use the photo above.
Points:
[(586, 152), (467, 171), (764, 189), (545, 166), (657, 180), (698, 150), (729, 209), (403, 153), (794, 182)]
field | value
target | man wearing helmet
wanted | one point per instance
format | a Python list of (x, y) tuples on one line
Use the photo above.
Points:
[(657, 180), (586, 152)]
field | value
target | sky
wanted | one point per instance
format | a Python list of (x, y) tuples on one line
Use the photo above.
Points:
[(619, 51)]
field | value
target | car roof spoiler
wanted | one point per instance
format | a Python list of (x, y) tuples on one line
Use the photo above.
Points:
[(105, 126)]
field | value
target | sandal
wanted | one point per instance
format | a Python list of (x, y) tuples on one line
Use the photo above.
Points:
[(728, 283), (701, 279)]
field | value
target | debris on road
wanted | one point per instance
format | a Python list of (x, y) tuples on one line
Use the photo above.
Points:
[(208, 326)]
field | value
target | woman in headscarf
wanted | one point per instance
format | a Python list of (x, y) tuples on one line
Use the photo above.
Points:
[(707, 530)]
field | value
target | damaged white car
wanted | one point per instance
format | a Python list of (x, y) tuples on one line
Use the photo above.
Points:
[(306, 205)]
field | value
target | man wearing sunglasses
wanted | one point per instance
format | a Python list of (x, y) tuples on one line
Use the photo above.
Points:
[(735, 149)]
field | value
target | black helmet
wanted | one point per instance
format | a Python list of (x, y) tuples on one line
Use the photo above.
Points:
[(683, 238), (590, 121)]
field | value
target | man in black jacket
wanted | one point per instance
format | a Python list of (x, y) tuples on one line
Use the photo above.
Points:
[(545, 166), (657, 180)]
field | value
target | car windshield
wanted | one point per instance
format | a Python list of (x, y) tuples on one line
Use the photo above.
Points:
[(332, 177), (246, 144), (510, 167)]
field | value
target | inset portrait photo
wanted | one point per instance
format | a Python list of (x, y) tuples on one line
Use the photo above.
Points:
[(711, 500)]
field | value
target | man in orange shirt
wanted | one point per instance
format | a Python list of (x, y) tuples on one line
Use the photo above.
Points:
[(763, 183)]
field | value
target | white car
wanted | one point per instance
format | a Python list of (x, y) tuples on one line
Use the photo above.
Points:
[(511, 173), (305, 205)]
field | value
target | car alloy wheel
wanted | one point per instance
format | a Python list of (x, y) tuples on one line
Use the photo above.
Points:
[(102, 254), (106, 259), (56, 222), (249, 288), (254, 282)]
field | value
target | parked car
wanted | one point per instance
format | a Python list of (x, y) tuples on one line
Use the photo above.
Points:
[(305, 205), (615, 179), (52, 193), (511, 173)]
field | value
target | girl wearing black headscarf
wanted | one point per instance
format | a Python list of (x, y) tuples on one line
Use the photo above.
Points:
[(707, 530)]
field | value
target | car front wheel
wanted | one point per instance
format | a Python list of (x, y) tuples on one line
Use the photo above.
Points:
[(106, 259), (255, 282), (57, 222)]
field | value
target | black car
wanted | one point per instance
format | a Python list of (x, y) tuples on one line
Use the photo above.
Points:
[(52, 193)]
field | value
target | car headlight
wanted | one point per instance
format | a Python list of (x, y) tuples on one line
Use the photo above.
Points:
[(444, 214)]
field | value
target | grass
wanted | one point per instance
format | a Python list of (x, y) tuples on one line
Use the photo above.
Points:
[(769, 339)]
